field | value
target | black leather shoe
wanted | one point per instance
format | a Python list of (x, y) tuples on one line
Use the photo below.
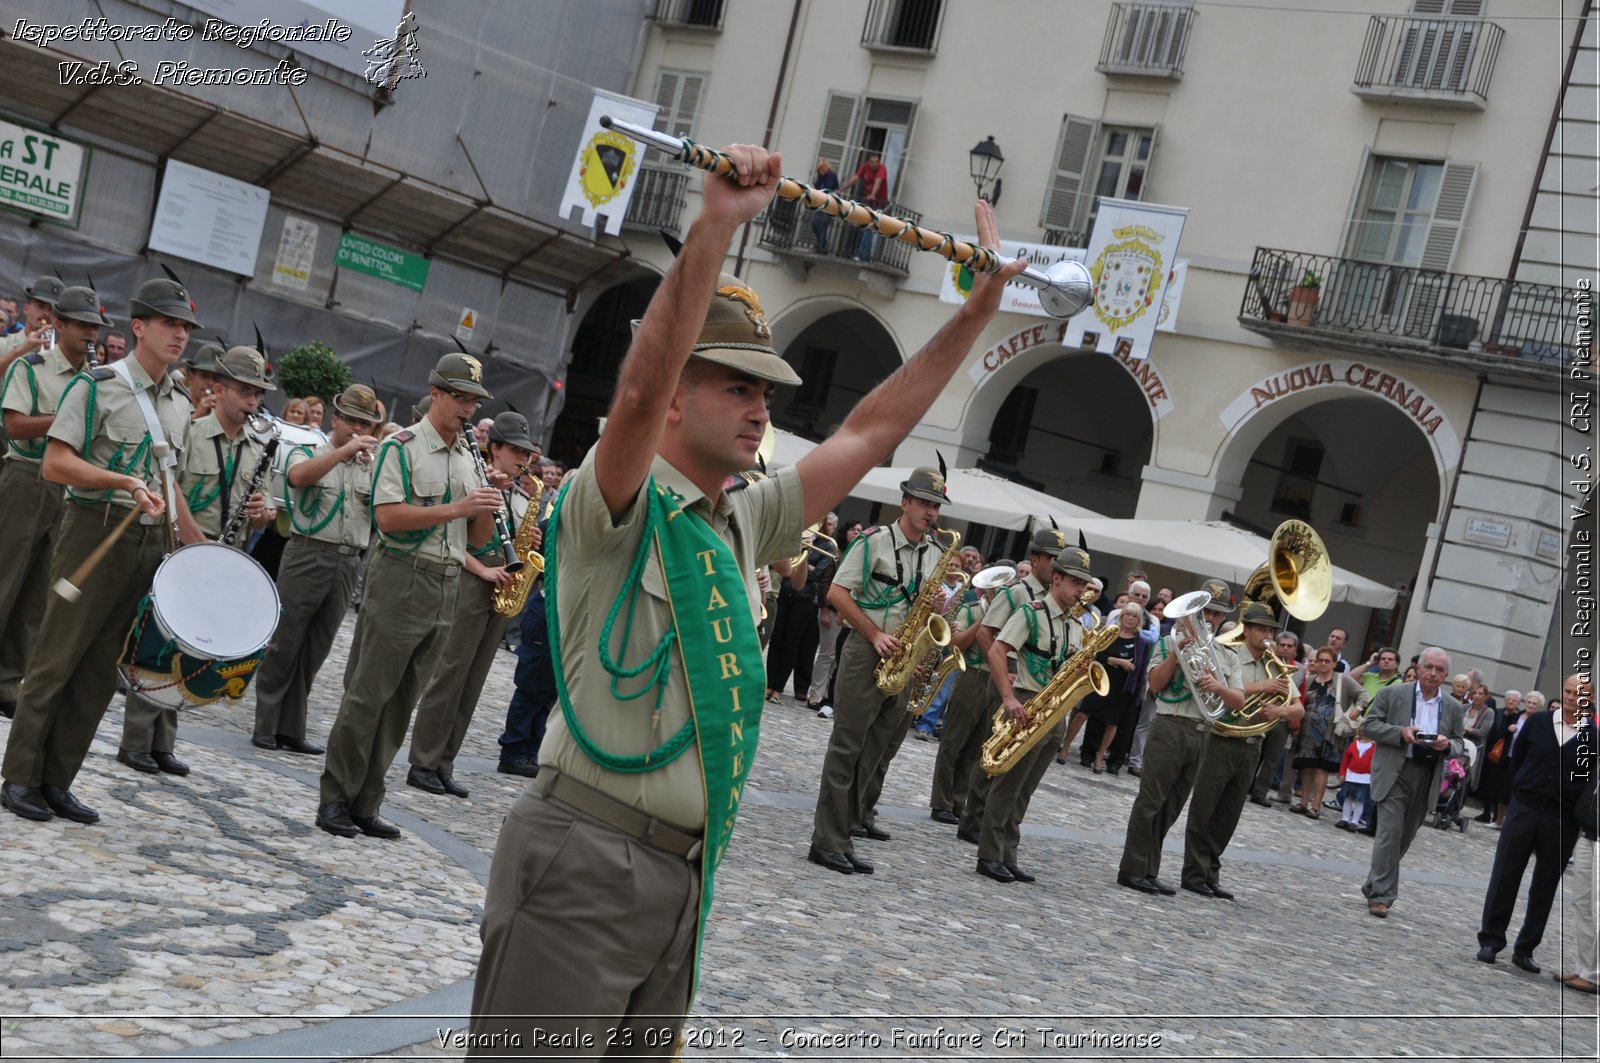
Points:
[(138, 761), (425, 779), (451, 787), (1518, 959), (858, 865), (263, 743), (831, 860), (1202, 888), (25, 801), (521, 766), (1219, 893), (944, 815), (1136, 772), (334, 818), (996, 870), (8, 709), (169, 763), (970, 837), (375, 827), (1486, 954), (875, 833), (1019, 874), (63, 804), (1136, 882), (1161, 887), (299, 745)]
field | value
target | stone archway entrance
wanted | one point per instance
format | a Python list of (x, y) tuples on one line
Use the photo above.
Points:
[(598, 348), (840, 354)]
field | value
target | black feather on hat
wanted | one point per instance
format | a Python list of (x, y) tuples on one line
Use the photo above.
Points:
[(171, 275), (944, 471)]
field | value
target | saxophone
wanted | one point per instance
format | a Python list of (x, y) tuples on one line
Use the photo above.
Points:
[(1077, 676), (509, 600), (923, 631), (931, 672)]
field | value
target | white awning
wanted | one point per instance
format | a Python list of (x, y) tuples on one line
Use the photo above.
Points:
[(980, 497)]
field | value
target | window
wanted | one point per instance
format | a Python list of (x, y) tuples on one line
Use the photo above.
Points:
[(816, 372), (1008, 438), (1146, 38), (1436, 50), (1297, 478), (1397, 209), (1092, 161), (678, 95), (854, 127), (909, 24)]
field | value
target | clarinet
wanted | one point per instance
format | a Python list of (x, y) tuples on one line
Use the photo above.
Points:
[(89, 352), (236, 522), (502, 526)]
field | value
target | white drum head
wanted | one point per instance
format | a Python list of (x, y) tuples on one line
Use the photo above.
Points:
[(214, 601)]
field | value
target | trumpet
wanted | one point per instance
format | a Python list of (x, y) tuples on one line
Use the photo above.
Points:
[(815, 542)]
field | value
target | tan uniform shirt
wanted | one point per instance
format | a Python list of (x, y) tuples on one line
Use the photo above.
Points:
[(916, 563), (209, 459), (1047, 620), (968, 614), (1006, 601), (1182, 702), (112, 434), (1254, 671), (13, 341), (338, 506), (437, 474), (760, 523), (35, 390)]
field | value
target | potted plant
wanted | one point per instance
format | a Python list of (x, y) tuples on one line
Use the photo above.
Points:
[(1303, 299)]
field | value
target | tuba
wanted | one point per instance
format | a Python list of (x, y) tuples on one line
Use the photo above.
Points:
[(1074, 680), (1299, 574), (509, 600), (924, 630)]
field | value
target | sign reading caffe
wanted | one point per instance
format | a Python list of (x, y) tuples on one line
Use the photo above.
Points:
[(41, 173)]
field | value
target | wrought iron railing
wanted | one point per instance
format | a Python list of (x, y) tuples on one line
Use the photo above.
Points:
[(790, 229), (1146, 38), (1065, 238), (910, 25), (1452, 314), (696, 14), (1445, 59), (657, 199)]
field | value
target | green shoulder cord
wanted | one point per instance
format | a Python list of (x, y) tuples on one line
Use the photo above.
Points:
[(885, 600), (658, 662), (1041, 666), (311, 499), (404, 543), (199, 498), (1176, 686), (32, 449), (137, 463)]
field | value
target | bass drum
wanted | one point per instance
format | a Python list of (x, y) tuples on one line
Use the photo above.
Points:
[(203, 629)]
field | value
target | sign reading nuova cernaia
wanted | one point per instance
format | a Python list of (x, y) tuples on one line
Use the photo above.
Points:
[(41, 173)]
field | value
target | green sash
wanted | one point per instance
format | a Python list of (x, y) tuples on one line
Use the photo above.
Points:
[(716, 645)]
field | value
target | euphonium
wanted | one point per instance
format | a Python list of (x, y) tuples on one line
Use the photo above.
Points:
[(1198, 653), (509, 600), (1077, 677), (924, 629)]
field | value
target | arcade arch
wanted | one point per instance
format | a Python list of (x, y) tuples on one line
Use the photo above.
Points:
[(598, 347), (841, 352)]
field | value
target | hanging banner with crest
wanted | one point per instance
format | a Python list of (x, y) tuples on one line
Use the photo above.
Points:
[(603, 175), (1131, 256)]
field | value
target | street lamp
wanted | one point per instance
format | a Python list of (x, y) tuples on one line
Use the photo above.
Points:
[(985, 161)]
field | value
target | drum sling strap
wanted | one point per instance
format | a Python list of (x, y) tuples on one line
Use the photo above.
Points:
[(152, 424)]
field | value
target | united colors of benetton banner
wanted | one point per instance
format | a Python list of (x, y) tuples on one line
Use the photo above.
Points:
[(1131, 257), (602, 178)]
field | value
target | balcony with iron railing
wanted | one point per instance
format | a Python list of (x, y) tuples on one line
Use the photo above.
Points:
[(1146, 39), (902, 26), (814, 237), (658, 197), (1446, 61), (1487, 324), (689, 14)]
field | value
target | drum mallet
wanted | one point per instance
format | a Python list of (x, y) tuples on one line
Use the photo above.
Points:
[(70, 586)]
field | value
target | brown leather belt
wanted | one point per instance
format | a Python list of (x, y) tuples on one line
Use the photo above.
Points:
[(656, 833)]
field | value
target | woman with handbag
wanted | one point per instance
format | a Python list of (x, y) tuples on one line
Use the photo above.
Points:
[(1494, 785), (1334, 703)]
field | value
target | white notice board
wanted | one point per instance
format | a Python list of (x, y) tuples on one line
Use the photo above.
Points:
[(208, 218)]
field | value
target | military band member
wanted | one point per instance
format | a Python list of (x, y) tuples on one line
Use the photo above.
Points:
[(219, 457), (102, 448), (1042, 636), (30, 507), (199, 371), (38, 316), (1222, 784), (878, 579), (445, 711), (1176, 744), (965, 726), (429, 506), (1042, 550), (642, 769), (328, 496)]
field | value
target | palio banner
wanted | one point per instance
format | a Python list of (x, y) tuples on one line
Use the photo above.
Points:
[(602, 178), (1132, 253), (41, 173)]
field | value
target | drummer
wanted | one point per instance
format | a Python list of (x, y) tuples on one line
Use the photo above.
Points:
[(214, 477), (101, 448)]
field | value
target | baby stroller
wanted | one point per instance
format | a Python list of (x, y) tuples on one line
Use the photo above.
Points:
[(1453, 791)]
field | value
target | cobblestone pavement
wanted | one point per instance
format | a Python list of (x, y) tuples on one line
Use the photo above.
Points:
[(206, 917)]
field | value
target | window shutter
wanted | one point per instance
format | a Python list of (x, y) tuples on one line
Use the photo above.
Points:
[(838, 121), (1444, 233), (1064, 205), (678, 96), (1448, 8), (1178, 30), (1347, 239), (1150, 163), (897, 175)]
